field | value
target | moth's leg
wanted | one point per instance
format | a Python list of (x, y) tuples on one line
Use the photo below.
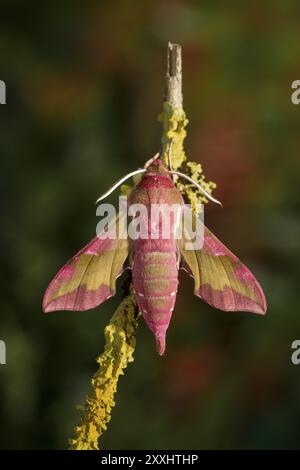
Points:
[(178, 258)]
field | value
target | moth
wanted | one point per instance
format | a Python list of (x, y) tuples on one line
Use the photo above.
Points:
[(220, 278)]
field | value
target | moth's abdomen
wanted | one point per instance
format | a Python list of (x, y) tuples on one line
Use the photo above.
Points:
[(155, 281)]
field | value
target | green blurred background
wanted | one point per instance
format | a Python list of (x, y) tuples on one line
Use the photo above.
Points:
[(84, 88)]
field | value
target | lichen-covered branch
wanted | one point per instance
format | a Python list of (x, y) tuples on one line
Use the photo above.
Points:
[(118, 353), (174, 122)]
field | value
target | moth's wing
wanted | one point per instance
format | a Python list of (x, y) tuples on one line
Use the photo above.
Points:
[(220, 278), (89, 278)]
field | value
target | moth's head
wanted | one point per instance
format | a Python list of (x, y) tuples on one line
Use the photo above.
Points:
[(157, 167)]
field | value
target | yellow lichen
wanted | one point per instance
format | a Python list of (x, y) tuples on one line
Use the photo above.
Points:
[(174, 122), (118, 353)]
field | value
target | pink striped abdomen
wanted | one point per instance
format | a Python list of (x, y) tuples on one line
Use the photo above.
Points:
[(155, 281)]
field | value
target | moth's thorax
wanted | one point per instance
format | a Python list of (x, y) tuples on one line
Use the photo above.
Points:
[(150, 181), (156, 187), (156, 176)]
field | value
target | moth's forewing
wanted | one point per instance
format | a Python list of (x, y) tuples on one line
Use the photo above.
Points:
[(89, 278)]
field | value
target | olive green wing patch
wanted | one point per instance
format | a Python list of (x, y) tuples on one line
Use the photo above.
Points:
[(89, 278)]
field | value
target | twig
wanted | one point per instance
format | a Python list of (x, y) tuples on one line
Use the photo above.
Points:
[(173, 82), (173, 116)]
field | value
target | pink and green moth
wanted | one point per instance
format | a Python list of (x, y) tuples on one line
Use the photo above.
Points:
[(220, 278)]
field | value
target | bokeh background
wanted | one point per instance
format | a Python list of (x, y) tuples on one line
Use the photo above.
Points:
[(84, 88)]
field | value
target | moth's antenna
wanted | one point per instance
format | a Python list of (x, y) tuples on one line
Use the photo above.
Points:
[(206, 194), (118, 183)]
